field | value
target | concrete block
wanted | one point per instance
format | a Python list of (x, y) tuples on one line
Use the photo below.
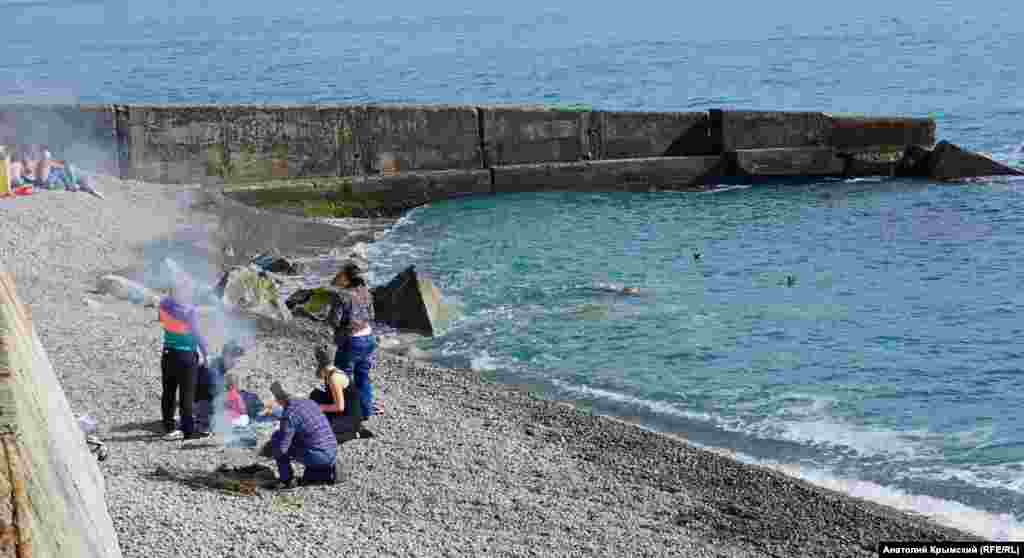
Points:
[(862, 133), (52, 489), (397, 139), (744, 129), (634, 175), (177, 145), (629, 135), (412, 189), (267, 143), (514, 135), (410, 302), (81, 134), (787, 162)]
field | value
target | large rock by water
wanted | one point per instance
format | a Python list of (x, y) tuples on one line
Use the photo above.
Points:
[(950, 162), (252, 290), (312, 303), (409, 302), (53, 493)]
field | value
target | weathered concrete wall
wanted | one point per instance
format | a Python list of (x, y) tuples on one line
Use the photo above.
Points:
[(412, 189), (631, 135), (514, 135), (239, 144), (854, 134), (808, 161), (52, 490), (748, 129), (82, 134), (380, 145), (408, 138), (633, 175), (173, 145)]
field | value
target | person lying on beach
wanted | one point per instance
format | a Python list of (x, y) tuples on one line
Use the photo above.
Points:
[(339, 400), (210, 386), (304, 435), (38, 168)]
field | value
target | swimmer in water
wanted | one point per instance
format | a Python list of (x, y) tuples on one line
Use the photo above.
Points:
[(630, 290), (790, 280)]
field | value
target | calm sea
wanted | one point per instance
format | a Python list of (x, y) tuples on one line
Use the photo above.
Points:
[(892, 369)]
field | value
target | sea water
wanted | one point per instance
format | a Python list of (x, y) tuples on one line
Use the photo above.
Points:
[(891, 369)]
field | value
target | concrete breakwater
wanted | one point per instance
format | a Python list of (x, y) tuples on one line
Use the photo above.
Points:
[(406, 155)]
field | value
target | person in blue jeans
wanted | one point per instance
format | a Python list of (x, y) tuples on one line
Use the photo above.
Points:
[(351, 315), (304, 435)]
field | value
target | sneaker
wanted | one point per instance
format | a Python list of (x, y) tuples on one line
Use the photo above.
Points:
[(364, 433), (174, 435), (198, 436), (290, 484)]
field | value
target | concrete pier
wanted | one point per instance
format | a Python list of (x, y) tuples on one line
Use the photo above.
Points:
[(407, 155)]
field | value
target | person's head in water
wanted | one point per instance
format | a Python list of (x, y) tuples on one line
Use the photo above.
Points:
[(630, 290), (351, 275)]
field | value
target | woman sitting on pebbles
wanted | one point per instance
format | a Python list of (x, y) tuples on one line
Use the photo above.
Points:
[(351, 315), (338, 399)]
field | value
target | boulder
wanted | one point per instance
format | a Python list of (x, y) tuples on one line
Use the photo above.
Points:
[(409, 302), (276, 264), (950, 162), (53, 491), (311, 303), (251, 290), (126, 289)]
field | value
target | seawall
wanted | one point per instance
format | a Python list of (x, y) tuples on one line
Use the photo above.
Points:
[(406, 155)]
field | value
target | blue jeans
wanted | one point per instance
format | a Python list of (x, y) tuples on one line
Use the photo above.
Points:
[(356, 358), (319, 464)]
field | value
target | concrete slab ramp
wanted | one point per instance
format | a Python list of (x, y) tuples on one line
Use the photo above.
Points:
[(52, 494)]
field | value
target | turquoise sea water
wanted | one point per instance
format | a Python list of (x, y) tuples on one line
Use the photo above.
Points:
[(892, 369)]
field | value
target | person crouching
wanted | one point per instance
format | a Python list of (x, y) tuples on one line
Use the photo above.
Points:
[(304, 435), (339, 398)]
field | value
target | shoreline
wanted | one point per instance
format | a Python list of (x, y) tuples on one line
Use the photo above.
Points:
[(461, 465)]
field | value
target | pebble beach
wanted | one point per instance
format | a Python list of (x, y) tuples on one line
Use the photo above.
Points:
[(459, 466)]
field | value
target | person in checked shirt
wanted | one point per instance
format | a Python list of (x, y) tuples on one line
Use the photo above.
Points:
[(304, 435)]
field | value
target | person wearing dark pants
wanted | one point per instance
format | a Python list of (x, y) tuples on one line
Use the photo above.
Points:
[(304, 435), (184, 350), (339, 399), (179, 382), (351, 316)]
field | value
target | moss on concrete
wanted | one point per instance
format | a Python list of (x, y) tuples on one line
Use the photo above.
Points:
[(311, 197)]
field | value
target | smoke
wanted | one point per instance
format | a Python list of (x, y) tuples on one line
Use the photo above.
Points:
[(83, 137)]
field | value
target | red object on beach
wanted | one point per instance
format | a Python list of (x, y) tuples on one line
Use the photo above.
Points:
[(23, 191)]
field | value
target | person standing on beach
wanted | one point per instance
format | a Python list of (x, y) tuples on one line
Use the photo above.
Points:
[(304, 435), (184, 350), (350, 315)]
